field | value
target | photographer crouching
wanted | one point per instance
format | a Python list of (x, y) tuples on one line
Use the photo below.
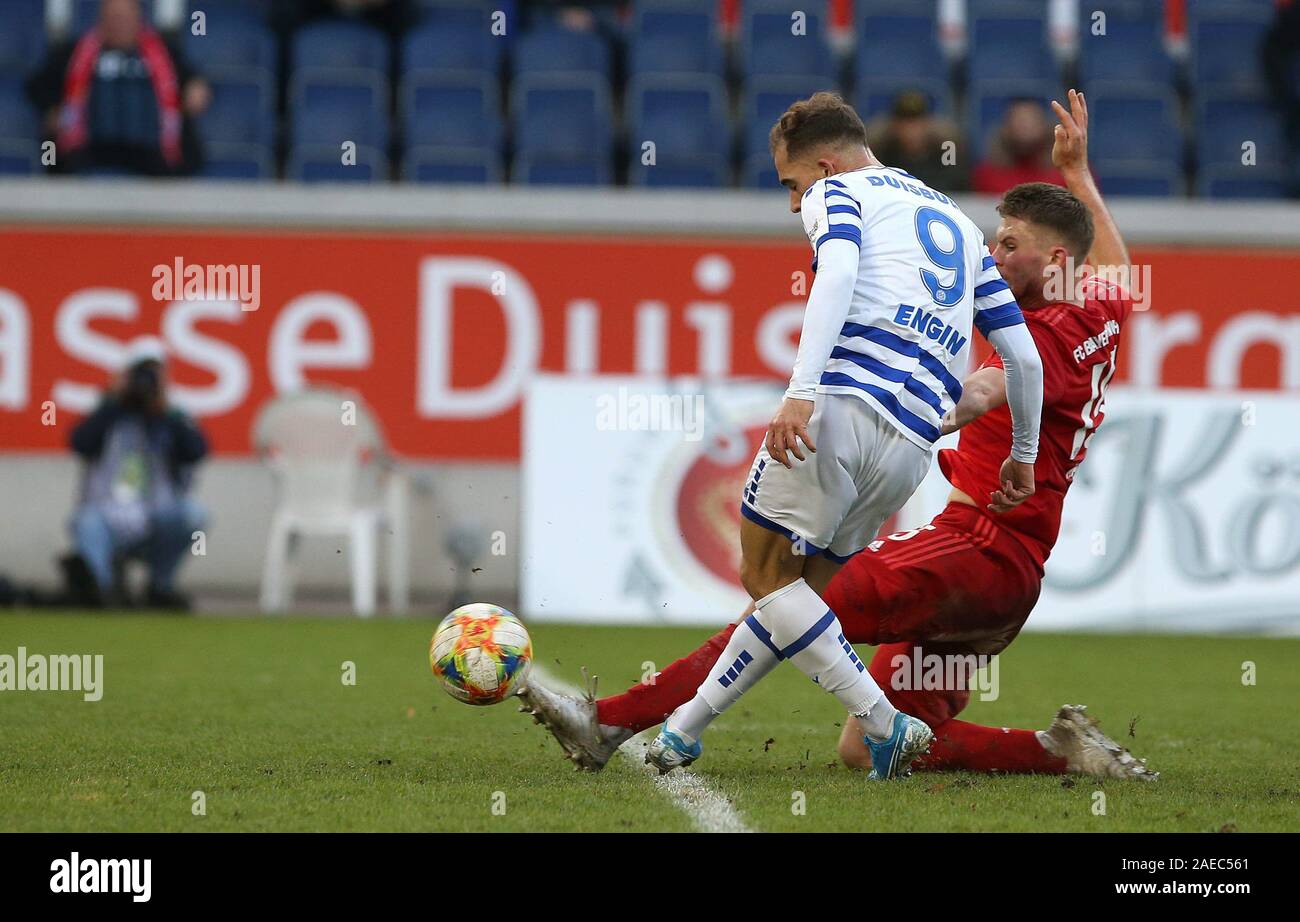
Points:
[(140, 455)]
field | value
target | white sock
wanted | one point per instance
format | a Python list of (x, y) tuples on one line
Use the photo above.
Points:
[(744, 661), (808, 634)]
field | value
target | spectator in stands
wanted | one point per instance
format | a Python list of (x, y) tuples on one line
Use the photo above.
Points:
[(911, 137), (140, 455), (392, 16), (1281, 53), (1020, 151), (119, 98)]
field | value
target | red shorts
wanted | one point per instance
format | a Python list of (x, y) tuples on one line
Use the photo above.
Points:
[(957, 586)]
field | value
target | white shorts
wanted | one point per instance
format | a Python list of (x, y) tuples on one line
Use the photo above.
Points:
[(837, 499)]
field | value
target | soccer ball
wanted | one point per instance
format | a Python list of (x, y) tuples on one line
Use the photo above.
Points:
[(480, 653)]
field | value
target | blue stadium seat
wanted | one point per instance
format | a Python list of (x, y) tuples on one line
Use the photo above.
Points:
[(1225, 42), (340, 44), (233, 45), (1024, 9), (758, 172), (18, 119), (894, 47), (1145, 178), (1131, 50), (870, 8), (551, 50), (259, 10), (1006, 48), (329, 108), (548, 172), (770, 47), (704, 173), (1225, 122), (763, 102), (22, 39), (450, 165), (685, 117), (673, 40), (459, 12), (316, 163), (242, 112), (1132, 124), (987, 102), (559, 119), (237, 161), (18, 158), (451, 45), (454, 110)]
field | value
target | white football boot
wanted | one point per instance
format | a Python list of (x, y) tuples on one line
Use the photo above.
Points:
[(572, 721), (1077, 738)]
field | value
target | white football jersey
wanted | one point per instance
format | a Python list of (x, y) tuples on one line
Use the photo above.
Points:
[(924, 273)]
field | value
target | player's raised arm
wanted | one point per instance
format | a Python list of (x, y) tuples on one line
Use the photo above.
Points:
[(1070, 156)]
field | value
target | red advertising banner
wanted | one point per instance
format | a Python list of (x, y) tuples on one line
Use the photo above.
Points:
[(440, 334)]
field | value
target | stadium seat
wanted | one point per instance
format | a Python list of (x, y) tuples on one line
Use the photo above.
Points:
[(553, 50), (559, 120), (763, 102), (1225, 122), (337, 44), (1130, 50), (758, 172), (1006, 48), (323, 163), (330, 108), (456, 12), (242, 112), (237, 161), (685, 117), (18, 119), (1225, 44), (451, 45), (233, 46), (452, 110), (450, 165), (1145, 178), (587, 171), (1130, 124), (18, 158), (703, 173), (674, 40), (770, 47), (897, 47), (22, 39)]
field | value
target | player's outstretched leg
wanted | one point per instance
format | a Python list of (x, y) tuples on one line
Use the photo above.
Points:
[(1077, 738), (590, 732)]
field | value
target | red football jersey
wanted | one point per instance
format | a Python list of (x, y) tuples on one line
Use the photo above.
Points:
[(1078, 347)]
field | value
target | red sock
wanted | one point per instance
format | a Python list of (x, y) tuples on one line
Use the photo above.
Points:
[(961, 745), (644, 706)]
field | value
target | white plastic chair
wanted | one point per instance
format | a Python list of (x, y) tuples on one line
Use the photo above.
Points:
[(319, 443)]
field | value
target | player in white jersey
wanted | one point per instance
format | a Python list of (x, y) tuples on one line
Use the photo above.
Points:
[(901, 274)]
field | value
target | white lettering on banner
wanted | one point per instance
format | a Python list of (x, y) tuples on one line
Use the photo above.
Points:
[(227, 364), (582, 337), (1249, 329), (290, 351), (76, 338), (1152, 337), (652, 338), (15, 351), (439, 278), (776, 338)]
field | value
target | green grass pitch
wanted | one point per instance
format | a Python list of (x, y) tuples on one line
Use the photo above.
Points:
[(255, 715)]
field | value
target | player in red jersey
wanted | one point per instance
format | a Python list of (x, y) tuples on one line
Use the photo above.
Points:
[(960, 587)]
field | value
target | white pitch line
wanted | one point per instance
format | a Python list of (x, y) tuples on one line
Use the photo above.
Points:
[(706, 807)]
